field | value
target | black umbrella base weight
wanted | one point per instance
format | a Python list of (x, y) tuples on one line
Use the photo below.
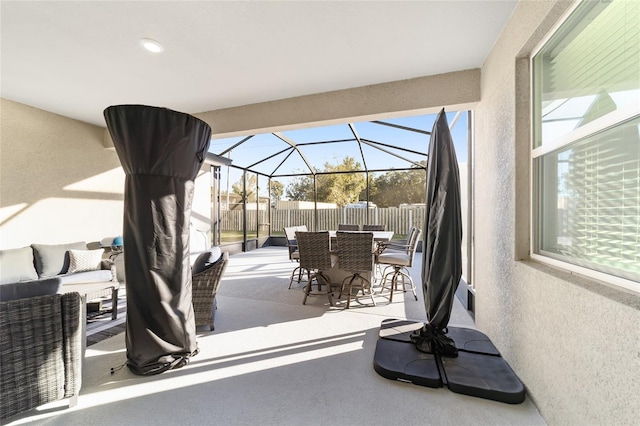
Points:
[(402, 361), (478, 370)]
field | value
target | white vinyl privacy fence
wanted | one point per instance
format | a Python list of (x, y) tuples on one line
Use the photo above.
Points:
[(396, 219)]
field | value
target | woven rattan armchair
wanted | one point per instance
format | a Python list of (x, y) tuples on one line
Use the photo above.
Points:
[(355, 255), (42, 341), (315, 257), (206, 279)]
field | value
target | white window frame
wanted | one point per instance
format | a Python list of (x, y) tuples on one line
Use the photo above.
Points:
[(598, 125)]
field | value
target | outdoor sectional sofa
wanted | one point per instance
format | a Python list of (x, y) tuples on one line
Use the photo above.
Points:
[(42, 343), (43, 294), (63, 268)]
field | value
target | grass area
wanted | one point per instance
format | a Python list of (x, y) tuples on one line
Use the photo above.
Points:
[(231, 236)]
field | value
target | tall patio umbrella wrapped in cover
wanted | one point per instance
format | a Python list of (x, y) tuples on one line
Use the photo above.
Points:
[(442, 257), (161, 152)]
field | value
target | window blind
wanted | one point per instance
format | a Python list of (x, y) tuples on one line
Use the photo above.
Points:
[(588, 185), (595, 186)]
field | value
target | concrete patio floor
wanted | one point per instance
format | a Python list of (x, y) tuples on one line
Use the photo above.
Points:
[(273, 361)]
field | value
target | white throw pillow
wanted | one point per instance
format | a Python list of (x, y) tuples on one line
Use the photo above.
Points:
[(17, 265), (84, 260)]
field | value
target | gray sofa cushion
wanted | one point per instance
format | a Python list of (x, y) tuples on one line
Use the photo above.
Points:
[(206, 259), (52, 260), (86, 277), (17, 265), (81, 282), (23, 290)]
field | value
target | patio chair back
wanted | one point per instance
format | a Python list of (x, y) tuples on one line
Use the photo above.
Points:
[(315, 257), (413, 244), (314, 250), (374, 227), (399, 260), (355, 255), (348, 227), (355, 251), (292, 244)]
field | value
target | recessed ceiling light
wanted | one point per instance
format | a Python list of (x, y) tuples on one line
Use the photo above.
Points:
[(151, 45)]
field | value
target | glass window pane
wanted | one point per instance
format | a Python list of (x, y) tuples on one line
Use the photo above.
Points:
[(590, 206), (588, 69)]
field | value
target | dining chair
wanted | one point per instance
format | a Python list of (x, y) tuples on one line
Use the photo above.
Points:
[(400, 260), (315, 257), (348, 227), (292, 246), (374, 227), (397, 245), (207, 273), (401, 244), (355, 255)]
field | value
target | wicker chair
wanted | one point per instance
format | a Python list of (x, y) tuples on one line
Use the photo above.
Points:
[(315, 257), (355, 255), (207, 274), (374, 227), (400, 260), (42, 349), (292, 246), (348, 227)]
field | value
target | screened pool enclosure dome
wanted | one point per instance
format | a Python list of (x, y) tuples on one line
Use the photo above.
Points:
[(323, 176)]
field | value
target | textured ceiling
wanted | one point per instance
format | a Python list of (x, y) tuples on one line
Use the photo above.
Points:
[(77, 58)]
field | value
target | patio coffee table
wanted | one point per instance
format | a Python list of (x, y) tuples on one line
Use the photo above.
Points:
[(94, 294)]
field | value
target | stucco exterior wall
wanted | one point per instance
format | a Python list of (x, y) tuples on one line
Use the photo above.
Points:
[(574, 343), (458, 90), (58, 183)]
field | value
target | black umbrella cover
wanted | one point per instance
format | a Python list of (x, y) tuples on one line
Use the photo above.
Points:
[(161, 152), (442, 256)]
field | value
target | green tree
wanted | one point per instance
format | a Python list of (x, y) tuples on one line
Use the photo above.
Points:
[(276, 190), (252, 188), (341, 188), (300, 189), (397, 187), (373, 190), (337, 187)]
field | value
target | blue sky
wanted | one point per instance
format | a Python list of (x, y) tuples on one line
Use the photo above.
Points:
[(265, 145)]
